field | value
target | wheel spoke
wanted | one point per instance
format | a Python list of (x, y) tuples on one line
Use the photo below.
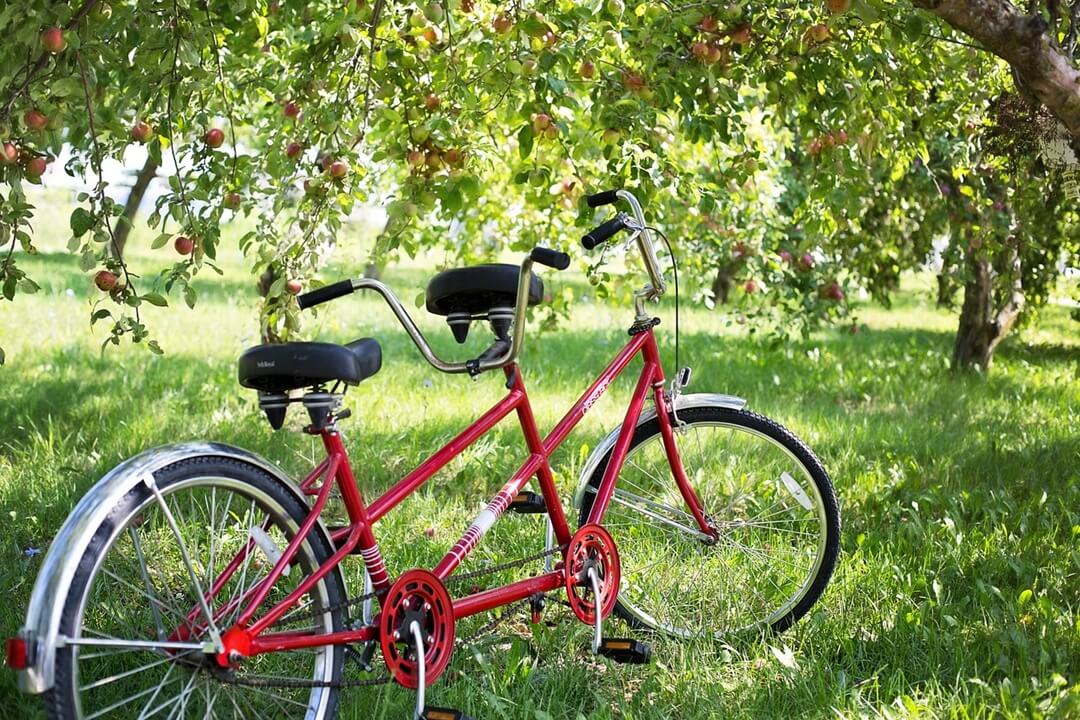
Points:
[(768, 550)]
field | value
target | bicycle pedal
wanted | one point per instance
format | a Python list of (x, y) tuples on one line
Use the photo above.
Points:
[(437, 713), (624, 650), (528, 503)]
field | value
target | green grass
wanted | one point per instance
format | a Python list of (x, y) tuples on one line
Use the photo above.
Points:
[(956, 593)]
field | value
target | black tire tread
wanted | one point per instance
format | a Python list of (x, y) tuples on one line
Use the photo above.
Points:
[(778, 432), (59, 705)]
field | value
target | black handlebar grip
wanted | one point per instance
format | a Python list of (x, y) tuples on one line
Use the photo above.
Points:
[(551, 258), (602, 198), (603, 232), (325, 294)]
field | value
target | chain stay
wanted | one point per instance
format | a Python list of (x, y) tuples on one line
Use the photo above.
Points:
[(270, 681)]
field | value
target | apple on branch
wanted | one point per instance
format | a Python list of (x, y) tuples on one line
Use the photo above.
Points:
[(215, 138), (52, 39)]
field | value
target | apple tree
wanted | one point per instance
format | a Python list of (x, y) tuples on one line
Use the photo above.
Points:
[(761, 135)]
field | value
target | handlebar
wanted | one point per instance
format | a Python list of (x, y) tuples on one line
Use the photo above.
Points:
[(544, 256), (325, 294), (657, 287), (602, 198), (599, 234)]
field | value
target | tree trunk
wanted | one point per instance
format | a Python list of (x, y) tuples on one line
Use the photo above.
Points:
[(721, 287), (131, 207), (982, 325), (946, 289), (1043, 69)]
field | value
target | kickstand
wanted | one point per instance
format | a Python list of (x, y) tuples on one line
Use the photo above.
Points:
[(597, 635)]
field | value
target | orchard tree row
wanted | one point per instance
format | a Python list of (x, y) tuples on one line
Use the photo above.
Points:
[(793, 151)]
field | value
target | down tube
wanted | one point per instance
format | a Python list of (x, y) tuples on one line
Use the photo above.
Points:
[(649, 373)]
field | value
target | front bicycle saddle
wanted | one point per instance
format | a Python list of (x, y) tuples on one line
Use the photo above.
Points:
[(477, 293)]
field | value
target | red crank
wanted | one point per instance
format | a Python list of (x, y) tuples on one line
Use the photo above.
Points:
[(417, 596), (591, 547)]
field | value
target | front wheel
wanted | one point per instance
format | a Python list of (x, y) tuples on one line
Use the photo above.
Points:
[(770, 502), (132, 620)]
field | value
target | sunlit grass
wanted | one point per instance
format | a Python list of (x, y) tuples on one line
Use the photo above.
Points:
[(959, 494)]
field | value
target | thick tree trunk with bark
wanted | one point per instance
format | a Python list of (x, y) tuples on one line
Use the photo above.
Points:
[(131, 207), (1043, 69), (985, 322), (721, 287)]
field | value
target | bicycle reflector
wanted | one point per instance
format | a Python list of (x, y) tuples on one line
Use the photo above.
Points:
[(16, 656)]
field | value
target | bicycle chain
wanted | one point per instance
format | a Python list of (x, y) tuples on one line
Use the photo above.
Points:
[(271, 681)]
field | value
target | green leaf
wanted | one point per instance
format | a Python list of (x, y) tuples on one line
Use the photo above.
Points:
[(153, 347), (525, 141), (81, 222), (160, 241), (156, 299), (189, 296)]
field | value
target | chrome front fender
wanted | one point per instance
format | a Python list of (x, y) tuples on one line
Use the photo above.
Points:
[(691, 400), (42, 626)]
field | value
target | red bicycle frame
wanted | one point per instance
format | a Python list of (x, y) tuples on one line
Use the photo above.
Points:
[(249, 637)]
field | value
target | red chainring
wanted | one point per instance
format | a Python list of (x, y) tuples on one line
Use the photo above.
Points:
[(593, 545), (417, 594)]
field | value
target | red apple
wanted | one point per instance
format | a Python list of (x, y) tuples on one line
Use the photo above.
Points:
[(433, 160), (540, 122), (550, 38), (814, 148), (35, 120), (716, 54), (431, 101), (214, 138), (293, 287), (587, 70), (634, 82), (833, 291), (324, 162), (415, 158), (36, 166), (837, 7), (502, 24), (708, 24), (293, 150), (431, 34), (840, 137), (453, 157), (141, 131), (750, 287), (52, 39), (232, 200), (184, 245), (819, 33), (105, 280), (806, 261), (700, 50), (785, 256), (740, 35), (9, 154), (551, 132), (338, 169), (291, 109)]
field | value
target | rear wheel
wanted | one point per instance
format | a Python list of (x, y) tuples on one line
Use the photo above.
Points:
[(133, 617), (767, 496)]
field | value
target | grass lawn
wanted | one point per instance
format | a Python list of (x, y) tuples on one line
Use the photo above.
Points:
[(957, 592)]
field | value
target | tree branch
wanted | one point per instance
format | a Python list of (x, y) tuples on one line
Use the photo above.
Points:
[(43, 61), (1021, 40)]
